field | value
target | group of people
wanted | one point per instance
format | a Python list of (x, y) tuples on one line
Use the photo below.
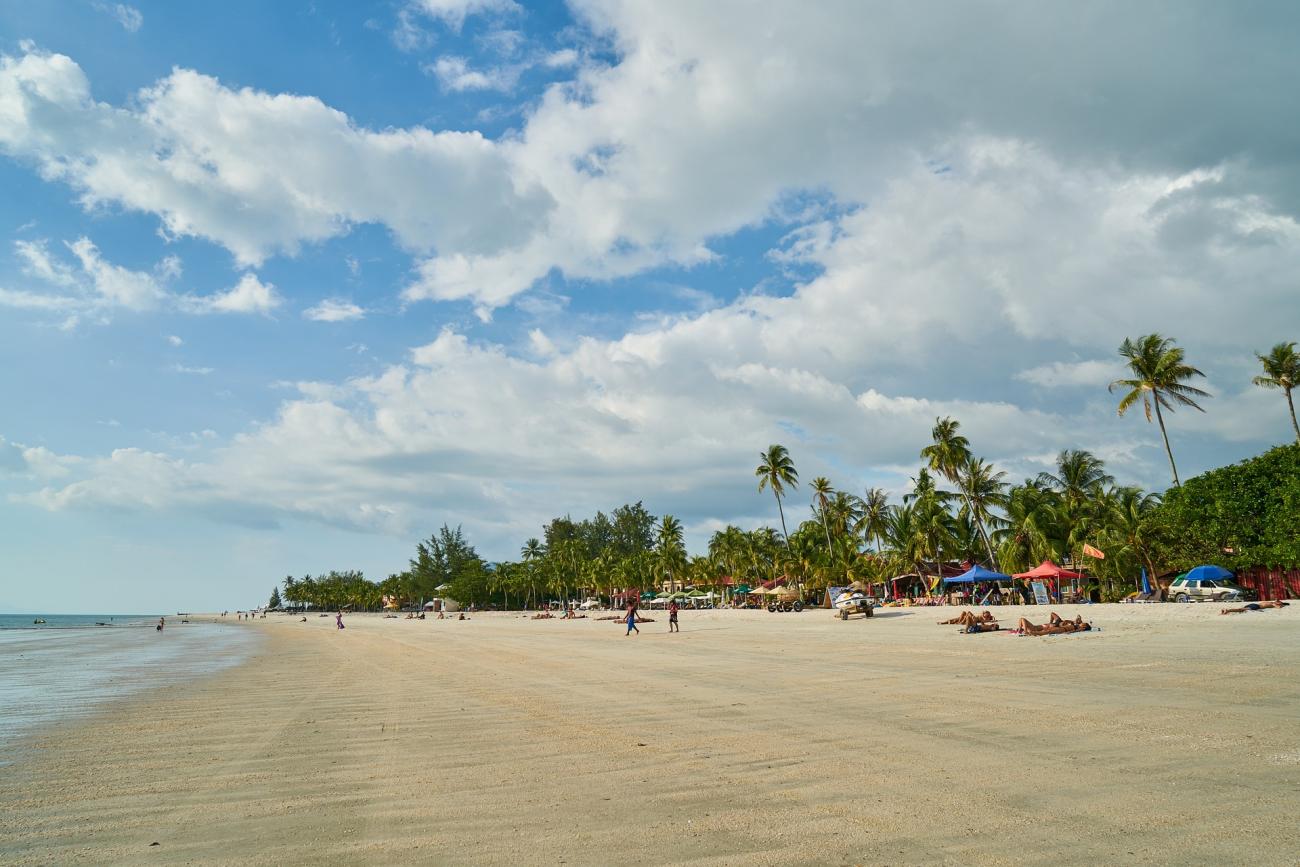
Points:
[(986, 622), (632, 619)]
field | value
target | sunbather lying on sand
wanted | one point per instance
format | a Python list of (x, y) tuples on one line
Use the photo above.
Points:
[(980, 626), (966, 619), (1255, 606), (1057, 627)]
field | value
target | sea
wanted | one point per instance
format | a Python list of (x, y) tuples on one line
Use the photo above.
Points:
[(73, 664)]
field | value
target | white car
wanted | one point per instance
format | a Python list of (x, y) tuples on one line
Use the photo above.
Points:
[(1204, 590)]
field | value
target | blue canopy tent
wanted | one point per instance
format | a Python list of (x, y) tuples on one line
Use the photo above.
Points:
[(976, 574)]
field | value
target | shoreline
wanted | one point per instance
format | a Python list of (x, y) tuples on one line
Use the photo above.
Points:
[(749, 738)]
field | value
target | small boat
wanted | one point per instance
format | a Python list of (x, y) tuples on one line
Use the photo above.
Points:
[(100, 623), (39, 620)]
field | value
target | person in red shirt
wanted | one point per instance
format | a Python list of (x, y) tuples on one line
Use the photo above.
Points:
[(672, 617)]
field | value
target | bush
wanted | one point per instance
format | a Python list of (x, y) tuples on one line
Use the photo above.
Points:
[(1239, 516)]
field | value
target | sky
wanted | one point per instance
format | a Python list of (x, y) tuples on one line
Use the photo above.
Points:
[(284, 287)]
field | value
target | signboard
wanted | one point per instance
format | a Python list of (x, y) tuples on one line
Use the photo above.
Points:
[(1040, 593)]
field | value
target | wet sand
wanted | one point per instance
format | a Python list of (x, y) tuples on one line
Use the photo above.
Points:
[(1170, 736)]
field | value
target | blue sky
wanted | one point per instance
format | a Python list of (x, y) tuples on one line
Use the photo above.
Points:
[(283, 287)]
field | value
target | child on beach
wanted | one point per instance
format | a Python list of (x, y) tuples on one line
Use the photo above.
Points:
[(672, 617)]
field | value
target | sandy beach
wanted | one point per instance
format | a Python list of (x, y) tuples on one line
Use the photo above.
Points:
[(1169, 736)]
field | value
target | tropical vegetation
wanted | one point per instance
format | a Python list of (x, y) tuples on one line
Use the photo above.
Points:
[(959, 509)]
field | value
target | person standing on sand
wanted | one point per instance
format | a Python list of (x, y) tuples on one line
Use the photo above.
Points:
[(339, 620), (672, 617), (631, 620)]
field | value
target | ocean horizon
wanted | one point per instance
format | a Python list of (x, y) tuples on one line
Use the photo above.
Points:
[(69, 667)]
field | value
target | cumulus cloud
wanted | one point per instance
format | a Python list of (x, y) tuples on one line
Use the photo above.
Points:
[(256, 172), (710, 116), (334, 310)]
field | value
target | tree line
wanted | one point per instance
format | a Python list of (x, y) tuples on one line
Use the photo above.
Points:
[(960, 509)]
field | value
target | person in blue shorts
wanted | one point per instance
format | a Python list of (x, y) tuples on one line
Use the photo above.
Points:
[(631, 620)]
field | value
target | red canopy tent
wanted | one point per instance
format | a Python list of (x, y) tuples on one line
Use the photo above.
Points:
[(1051, 572), (1048, 569)]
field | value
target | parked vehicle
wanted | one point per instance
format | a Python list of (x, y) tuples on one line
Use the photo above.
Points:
[(854, 602), (1204, 590)]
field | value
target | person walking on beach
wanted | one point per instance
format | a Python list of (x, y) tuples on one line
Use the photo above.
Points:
[(339, 620), (672, 617), (631, 620)]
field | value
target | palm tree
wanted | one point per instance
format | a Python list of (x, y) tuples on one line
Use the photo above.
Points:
[(821, 487), (1030, 527), (1079, 479), (983, 488), (776, 470), (670, 551), (1281, 370), (1158, 376), (875, 511)]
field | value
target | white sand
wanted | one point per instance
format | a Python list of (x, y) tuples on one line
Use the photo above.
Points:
[(1170, 736)]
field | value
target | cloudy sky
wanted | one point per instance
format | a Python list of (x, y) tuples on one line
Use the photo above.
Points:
[(283, 287)]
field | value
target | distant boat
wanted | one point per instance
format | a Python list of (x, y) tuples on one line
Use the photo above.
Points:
[(100, 623), (39, 620)]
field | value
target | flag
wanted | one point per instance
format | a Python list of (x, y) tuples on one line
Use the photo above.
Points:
[(1090, 551)]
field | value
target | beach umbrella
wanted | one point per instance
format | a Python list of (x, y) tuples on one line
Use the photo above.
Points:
[(743, 588), (1208, 573)]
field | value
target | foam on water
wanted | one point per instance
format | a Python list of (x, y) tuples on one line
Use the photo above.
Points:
[(67, 669)]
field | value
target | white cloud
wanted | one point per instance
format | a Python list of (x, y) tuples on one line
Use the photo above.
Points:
[(197, 371), (249, 295), (256, 172), (334, 310), (565, 57), (1066, 374), (116, 285), (101, 286), (454, 12), (454, 74), (174, 340), (128, 16), (21, 299)]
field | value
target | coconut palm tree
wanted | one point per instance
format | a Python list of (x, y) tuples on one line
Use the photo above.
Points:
[(1080, 480), (776, 470), (670, 551), (983, 488), (1159, 374), (1027, 538), (821, 488), (875, 511), (1281, 370)]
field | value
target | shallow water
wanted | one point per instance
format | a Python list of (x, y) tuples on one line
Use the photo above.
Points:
[(69, 667)]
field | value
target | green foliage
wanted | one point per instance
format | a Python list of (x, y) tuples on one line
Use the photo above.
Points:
[(1252, 508), (275, 599)]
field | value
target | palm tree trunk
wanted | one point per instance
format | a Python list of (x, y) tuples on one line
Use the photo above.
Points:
[(1291, 405), (1161, 420), (784, 531)]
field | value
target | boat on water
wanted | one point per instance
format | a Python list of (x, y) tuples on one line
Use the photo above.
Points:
[(39, 620)]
